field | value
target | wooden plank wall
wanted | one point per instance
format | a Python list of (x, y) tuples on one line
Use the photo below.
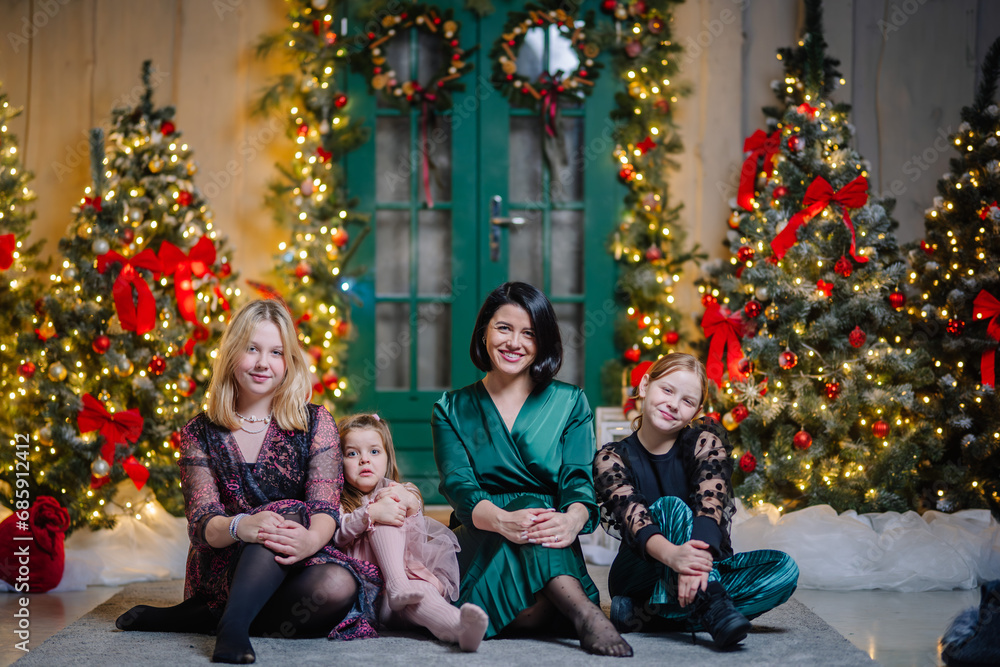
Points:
[(910, 65)]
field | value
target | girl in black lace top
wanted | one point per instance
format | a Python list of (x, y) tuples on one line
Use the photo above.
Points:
[(666, 490)]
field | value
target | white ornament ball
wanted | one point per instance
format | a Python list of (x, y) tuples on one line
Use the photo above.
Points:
[(100, 467), (761, 294), (324, 126), (100, 246), (320, 4)]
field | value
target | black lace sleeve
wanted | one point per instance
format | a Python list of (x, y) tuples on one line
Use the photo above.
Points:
[(623, 509), (708, 461)]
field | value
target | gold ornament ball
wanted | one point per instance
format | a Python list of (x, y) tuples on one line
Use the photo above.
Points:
[(729, 421), (192, 168), (771, 312), (124, 369), (47, 330), (104, 396), (57, 372), (156, 165), (45, 436), (83, 231)]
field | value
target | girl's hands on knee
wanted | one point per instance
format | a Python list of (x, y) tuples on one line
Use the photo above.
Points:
[(409, 500), (692, 558), (387, 510), (689, 585)]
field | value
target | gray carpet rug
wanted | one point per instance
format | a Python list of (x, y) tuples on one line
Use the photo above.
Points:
[(788, 635)]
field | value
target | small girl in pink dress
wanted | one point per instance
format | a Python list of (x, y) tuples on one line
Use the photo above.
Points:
[(381, 522)]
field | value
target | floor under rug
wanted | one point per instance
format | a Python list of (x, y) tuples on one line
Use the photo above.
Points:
[(789, 635)]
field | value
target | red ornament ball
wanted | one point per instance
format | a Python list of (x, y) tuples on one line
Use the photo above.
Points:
[(794, 143), (844, 267), (672, 337), (632, 354), (662, 105), (27, 369), (201, 333), (656, 25), (653, 253), (832, 390), (340, 100), (184, 198), (608, 6), (955, 327), (186, 386), (101, 344), (780, 192), (745, 366), (633, 48), (128, 235), (626, 173), (330, 380), (788, 359), (166, 127), (740, 412), (748, 463), (745, 253), (857, 337), (302, 269), (157, 365), (708, 300), (339, 236), (802, 440), (753, 308), (175, 439), (880, 429), (713, 415), (897, 300)]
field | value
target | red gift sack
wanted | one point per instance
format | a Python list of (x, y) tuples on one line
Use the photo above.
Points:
[(32, 553)]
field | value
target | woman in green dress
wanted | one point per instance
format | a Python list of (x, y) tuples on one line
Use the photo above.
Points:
[(514, 453)]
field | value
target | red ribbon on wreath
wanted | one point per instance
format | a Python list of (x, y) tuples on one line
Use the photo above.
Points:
[(182, 267), (760, 145), (139, 315), (724, 330), (122, 427), (8, 243), (819, 195), (987, 305), (425, 164)]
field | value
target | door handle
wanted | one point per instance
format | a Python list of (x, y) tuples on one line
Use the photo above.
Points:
[(497, 219)]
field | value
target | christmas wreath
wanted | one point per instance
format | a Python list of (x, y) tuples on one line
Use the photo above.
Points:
[(549, 86), (371, 60)]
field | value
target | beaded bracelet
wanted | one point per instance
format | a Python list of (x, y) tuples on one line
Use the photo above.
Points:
[(234, 525)]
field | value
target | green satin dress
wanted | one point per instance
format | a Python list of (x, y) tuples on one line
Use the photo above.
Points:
[(543, 461)]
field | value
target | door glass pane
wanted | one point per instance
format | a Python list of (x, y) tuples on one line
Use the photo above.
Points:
[(397, 65), (392, 345), (567, 253), (570, 328), (438, 149), (525, 249), (434, 269), (525, 171), (433, 346), (392, 159), (392, 253), (567, 180)]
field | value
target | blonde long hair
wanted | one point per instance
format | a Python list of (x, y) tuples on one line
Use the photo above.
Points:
[(295, 389), (351, 497), (671, 363)]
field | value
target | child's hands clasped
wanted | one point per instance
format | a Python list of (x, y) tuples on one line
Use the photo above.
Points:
[(692, 558), (409, 500), (387, 510)]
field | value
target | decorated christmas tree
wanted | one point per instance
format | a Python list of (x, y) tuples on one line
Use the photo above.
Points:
[(125, 334), (18, 265), (956, 300), (648, 243), (828, 395), (309, 197)]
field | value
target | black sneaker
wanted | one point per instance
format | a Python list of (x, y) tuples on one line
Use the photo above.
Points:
[(713, 610)]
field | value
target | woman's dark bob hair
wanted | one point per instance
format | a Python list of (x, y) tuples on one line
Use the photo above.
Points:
[(548, 342)]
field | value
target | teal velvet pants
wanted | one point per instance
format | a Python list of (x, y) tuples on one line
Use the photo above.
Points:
[(757, 581)]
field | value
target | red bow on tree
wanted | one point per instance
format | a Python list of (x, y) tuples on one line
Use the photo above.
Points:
[(137, 472), (761, 145), (819, 195), (92, 202), (7, 246), (138, 315), (987, 305), (724, 330), (121, 427), (182, 267), (985, 213)]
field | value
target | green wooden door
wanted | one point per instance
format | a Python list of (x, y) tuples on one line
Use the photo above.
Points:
[(429, 267)]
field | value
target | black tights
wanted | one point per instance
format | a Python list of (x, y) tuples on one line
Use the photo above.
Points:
[(266, 597)]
